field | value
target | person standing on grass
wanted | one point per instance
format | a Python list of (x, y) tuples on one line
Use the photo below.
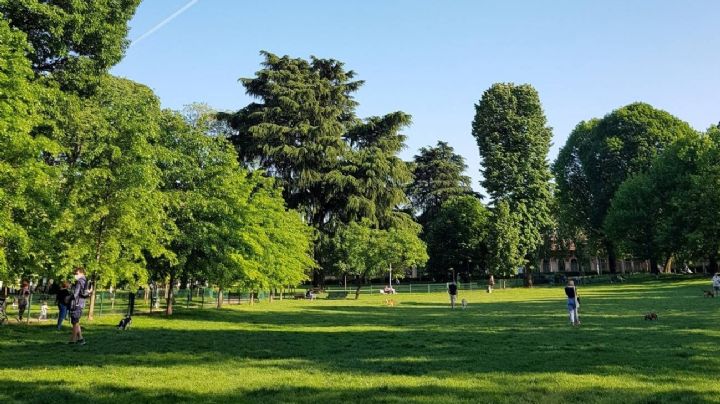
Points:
[(76, 306), (716, 284), (61, 299), (572, 303), (452, 291), (23, 299)]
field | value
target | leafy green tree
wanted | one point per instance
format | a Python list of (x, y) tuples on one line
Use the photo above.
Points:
[(600, 154), (26, 182), (511, 132), (457, 236), (370, 252), (504, 241), (437, 177), (668, 210), (75, 41), (232, 226), (112, 212)]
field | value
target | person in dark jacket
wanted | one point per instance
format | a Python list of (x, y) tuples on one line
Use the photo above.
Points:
[(23, 299), (62, 297), (76, 306)]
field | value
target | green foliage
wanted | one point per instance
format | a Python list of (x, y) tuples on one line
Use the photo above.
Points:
[(437, 177), (600, 154), (377, 176), (504, 241), (368, 252), (295, 131), (511, 132), (668, 210), (74, 40), (457, 236), (232, 226), (112, 212), (26, 182)]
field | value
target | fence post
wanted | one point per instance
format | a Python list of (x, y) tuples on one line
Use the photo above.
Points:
[(28, 307)]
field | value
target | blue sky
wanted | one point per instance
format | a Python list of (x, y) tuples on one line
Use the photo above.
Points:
[(434, 59)]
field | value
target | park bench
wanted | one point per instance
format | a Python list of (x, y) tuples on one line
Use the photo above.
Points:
[(337, 295), (299, 296)]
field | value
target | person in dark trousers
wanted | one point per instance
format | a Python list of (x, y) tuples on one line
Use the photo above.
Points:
[(452, 291), (61, 299), (23, 299), (76, 306), (572, 303)]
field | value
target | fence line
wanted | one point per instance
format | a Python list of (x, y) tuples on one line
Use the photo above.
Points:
[(117, 302)]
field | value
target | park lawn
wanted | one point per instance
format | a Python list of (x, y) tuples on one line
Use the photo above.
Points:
[(510, 346)]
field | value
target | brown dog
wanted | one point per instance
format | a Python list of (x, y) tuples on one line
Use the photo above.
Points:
[(651, 316), (708, 293), (390, 302)]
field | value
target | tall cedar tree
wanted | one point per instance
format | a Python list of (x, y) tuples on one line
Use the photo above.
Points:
[(599, 155), (333, 167), (511, 132), (437, 177)]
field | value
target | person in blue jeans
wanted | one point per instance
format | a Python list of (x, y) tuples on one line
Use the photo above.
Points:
[(572, 303), (62, 298)]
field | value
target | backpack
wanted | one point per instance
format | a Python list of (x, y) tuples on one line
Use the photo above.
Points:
[(86, 292)]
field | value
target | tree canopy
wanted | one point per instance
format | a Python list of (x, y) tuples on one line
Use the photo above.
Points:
[(514, 140), (600, 154)]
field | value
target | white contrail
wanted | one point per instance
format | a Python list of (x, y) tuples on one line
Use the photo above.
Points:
[(164, 22)]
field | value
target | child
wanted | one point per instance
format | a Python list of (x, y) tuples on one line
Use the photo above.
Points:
[(43, 311)]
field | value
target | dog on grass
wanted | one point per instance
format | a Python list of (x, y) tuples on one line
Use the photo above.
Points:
[(464, 303), (390, 302), (708, 293), (651, 316), (124, 324)]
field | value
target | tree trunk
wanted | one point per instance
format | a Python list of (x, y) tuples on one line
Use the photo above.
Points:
[(653, 266), (612, 264), (528, 282), (170, 296), (359, 285), (219, 298), (713, 264), (667, 268), (91, 310)]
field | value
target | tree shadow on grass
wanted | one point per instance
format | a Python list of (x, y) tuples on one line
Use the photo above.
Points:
[(33, 392)]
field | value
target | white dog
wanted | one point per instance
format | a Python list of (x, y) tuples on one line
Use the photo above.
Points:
[(464, 304), (43, 311)]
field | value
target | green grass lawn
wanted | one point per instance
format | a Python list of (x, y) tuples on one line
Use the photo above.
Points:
[(510, 346)]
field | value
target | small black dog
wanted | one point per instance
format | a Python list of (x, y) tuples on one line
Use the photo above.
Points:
[(651, 316), (124, 324)]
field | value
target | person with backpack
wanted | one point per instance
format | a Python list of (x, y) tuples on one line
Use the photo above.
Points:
[(61, 298), (80, 292), (573, 303), (452, 291), (23, 299)]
